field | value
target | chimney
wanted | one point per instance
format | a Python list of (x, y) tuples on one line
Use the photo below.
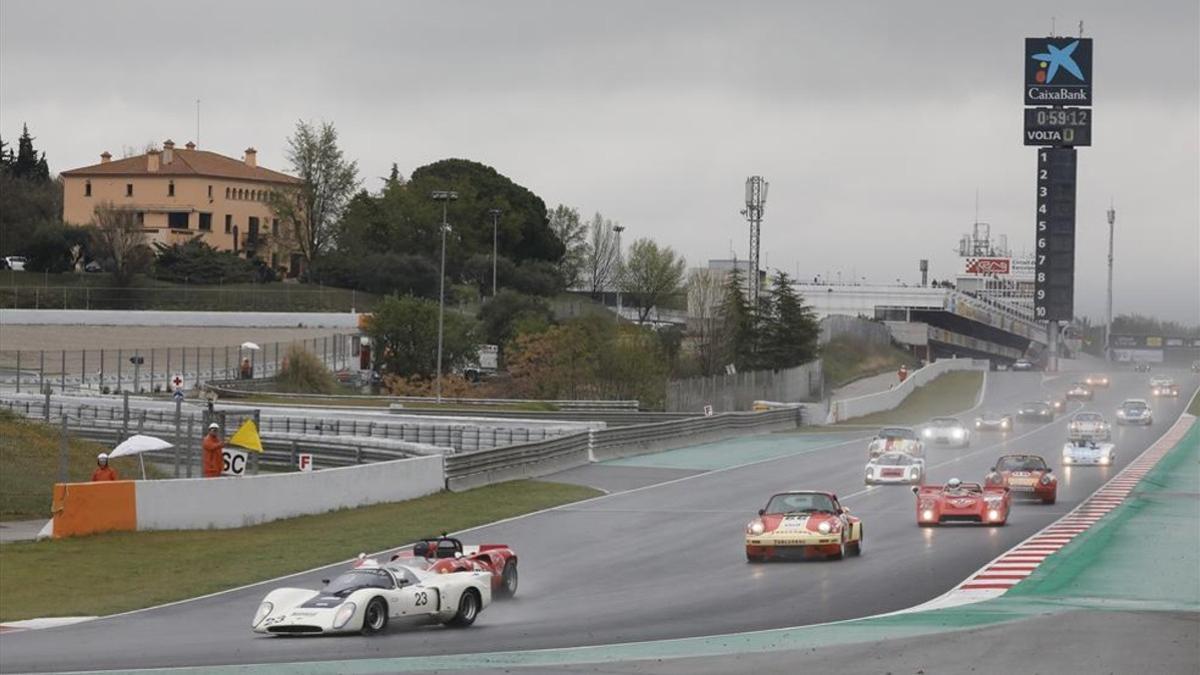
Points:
[(251, 157), (105, 157), (168, 151), (190, 145), (152, 161)]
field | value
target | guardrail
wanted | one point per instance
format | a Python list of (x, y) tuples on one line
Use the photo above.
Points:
[(238, 389), (849, 408), (484, 467)]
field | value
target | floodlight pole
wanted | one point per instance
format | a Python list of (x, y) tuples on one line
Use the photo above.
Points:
[(495, 240), (620, 267), (1112, 221), (445, 197), (756, 202)]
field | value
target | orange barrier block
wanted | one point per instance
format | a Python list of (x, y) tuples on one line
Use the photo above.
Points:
[(88, 508)]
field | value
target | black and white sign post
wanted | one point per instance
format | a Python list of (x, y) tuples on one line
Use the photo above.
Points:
[(1058, 74)]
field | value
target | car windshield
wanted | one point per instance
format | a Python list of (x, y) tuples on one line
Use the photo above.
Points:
[(945, 422), (894, 459), (353, 580), (1025, 463), (1080, 385), (807, 501), (1131, 406), (1036, 406), (1089, 417), (898, 432)]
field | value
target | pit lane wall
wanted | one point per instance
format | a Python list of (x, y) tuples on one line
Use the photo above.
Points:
[(842, 410), (223, 503)]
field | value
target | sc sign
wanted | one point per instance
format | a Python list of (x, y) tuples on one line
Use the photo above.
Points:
[(233, 463), (1058, 71)]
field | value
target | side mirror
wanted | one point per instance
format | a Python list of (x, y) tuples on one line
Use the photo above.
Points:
[(845, 510), (993, 469), (325, 582), (916, 490), (762, 512)]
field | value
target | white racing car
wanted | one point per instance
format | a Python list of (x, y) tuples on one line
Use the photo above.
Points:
[(947, 431), (896, 439), (1088, 426), (895, 467), (1135, 411), (1088, 453), (366, 598)]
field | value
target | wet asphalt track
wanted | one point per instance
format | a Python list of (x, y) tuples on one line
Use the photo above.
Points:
[(660, 562)]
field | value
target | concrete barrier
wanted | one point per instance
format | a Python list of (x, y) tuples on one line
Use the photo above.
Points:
[(840, 411), (107, 317)]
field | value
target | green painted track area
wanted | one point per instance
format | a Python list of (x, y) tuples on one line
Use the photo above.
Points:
[(724, 454)]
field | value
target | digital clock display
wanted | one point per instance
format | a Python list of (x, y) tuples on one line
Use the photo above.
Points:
[(1058, 127)]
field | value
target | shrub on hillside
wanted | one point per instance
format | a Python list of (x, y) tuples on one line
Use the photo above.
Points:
[(382, 273), (303, 373), (195, 262)]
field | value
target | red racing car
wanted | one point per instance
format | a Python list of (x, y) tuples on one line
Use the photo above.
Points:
[(447, 554), (959, 502), (1026, 475)]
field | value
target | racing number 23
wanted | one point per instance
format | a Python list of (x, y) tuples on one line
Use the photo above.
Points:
[(422, 598)]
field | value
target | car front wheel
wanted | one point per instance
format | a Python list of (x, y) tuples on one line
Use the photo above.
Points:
[(375, 616)]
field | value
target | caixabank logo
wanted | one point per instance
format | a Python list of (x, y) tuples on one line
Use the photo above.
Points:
[(1058, 71)]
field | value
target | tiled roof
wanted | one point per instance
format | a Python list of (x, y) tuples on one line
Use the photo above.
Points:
[(186, 163)]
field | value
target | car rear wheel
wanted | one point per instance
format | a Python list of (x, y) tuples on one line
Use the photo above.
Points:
[(508, 580), (468, 609), (375, 616), (856, 546)]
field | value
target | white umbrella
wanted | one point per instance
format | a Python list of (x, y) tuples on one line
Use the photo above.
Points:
[(136, 445), (251, 346)]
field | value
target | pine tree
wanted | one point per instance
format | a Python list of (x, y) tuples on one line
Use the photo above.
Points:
[(27, 164), (738, 333), (790, 331)]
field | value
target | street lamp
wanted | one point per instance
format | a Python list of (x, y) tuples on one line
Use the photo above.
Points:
[(495, 225), (618, 229), (445, 197), (1112, 221)]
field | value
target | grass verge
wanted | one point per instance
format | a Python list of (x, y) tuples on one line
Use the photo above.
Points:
[(846, 359), (121, 571), (948, 394), (30, 456)]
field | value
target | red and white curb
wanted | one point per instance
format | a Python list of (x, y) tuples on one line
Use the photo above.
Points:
[(995, 578)]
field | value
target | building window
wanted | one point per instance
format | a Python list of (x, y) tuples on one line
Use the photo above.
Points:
[(228, 224), (275, 227), (226, 193), (210, 192), (177, 221), (141, 218), (87, 188), (129, 189), (206, 222), (171, 188)]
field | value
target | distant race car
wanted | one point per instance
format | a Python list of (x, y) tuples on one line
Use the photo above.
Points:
[(1141, 367), (803, 524), (1079, 391), (1096, 381), (1088, 426), (1038, 411), (990, 421), (1088, 453), (16, 263), (895, 467), (1165, 387), (1022, 365), (446, 554), (364, 599), (1135, 411), (896, 439), (1027, 475), (959, 502), (1058, 404), (1196, 366), (947, 431)]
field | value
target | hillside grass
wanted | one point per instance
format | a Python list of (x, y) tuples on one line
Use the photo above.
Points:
[(30, 455), (846, 359), (48, 578), (948, 394)]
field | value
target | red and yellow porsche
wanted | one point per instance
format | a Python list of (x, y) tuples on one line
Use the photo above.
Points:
[(1026, 475), (447, 554), (803, 524)]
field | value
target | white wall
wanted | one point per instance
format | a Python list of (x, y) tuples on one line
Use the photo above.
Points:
[(845, 409), (220, 503)]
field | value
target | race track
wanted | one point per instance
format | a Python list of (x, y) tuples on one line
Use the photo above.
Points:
[(661, 561)]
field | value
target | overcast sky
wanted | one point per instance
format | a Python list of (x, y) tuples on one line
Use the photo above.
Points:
[(875, 123)]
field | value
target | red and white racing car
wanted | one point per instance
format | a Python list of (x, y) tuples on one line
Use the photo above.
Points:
[(959, 502), (447, 554), (1027, 475)]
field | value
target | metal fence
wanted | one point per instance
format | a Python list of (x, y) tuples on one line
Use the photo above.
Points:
[(241, 298), (153, 369)]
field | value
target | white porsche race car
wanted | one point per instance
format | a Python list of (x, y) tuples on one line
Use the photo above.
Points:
[(366, 598), (1088, 453), (896, 439), (895, 468), (947, 431), (1135, 411), (1088, 426)]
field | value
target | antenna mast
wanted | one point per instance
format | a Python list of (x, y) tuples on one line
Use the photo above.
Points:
[(756, 201)]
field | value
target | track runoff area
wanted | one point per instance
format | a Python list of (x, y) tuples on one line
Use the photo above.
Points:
[(667, 560)]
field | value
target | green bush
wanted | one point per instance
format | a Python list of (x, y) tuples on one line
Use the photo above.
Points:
[(195, 262), (303, 373)]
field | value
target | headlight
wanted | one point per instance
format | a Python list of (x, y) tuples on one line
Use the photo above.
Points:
[(264, 610), (927, 514), (1047, 478), (978, 423), (824, 527), (914, 471), (1004, 423), (958, 433), (1066, 459), (993, 515), (755, 527), (1105, 459), (928, 432), (344, 614)]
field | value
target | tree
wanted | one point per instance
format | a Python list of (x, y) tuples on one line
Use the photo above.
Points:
[(26, 205), (509, 313), (790, 333), (404, 330), (196, 262), (739, 336), (600, 257), (311, 209), (117, 237), (27, 164), (705, 293), (54, 247), (573, 233), (651, 274)]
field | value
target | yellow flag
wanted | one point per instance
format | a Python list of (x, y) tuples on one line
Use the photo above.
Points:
[(247, 437)]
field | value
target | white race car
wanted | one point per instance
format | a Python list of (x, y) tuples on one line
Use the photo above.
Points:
[(1135, 411), (1088, 426), (947, 431), (1088, 453), (364, 599), (895, 467), (896, 439)]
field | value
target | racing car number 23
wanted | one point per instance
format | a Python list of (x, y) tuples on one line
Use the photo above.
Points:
[(422, 598)]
